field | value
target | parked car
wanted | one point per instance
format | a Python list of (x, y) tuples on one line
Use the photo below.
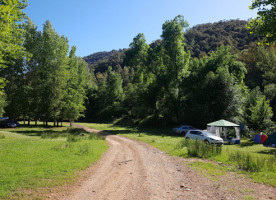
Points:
[(183, 129), (8, 124), (204, 136)]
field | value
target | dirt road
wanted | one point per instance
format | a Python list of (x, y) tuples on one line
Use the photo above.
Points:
[(134, 170)]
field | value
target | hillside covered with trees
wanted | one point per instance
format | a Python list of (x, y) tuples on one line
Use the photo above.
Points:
[(203, 74), (179, 79)]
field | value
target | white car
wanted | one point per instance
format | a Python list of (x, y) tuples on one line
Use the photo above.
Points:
[(182, 129), (204, 136)]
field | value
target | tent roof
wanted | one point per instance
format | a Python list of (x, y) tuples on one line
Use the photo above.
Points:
[(222, 123)]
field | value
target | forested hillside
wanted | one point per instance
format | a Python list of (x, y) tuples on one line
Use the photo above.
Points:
[(199, 40), (204, 38), (209, 72)]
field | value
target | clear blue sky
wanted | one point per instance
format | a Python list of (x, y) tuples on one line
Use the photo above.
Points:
[(103, 25)]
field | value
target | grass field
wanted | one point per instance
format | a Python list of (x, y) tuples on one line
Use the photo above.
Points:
[(35, 157), (168, 142)]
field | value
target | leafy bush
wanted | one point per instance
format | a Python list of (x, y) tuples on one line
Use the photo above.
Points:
[(200, 149), (76, 131)]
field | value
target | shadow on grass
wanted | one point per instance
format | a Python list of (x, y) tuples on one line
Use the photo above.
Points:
[(48, 131), (248, 143), (38, 132), (115, 132), (146, 131), (268, 152)]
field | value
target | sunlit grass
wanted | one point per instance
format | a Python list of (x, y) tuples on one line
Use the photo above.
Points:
[(165, 140), (28, 161)]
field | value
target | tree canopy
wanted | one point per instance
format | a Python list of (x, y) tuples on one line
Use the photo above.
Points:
[(265, 24)]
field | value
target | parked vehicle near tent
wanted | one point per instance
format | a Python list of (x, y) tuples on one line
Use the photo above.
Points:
[(204, 136)]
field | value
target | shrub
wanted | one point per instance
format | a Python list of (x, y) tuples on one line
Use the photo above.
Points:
[(251, 162), (200, 149), (76, 131)]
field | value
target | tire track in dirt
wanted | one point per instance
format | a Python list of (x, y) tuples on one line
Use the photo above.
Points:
[(134, 170)]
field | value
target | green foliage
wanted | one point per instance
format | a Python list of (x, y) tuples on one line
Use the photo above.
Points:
[(167, 87), (261, 114), (137, 54), (163, 139), (265, 23), (256, 111), (204, 38), (212, 89), (200, 149), (11, 39), (28, 163), (252, 163), (74, 98), (46, 84), (2, 103), (11, 34)]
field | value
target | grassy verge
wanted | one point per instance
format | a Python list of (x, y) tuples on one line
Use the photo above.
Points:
[(253, 160), (159, 138), (35, 157)]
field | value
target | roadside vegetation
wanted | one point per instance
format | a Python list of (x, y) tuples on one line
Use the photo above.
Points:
[(253, 160), (38, 157)]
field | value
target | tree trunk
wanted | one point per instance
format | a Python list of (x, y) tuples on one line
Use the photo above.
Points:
[(24, 120), (71, 123), (35, 122), (57, 123), (29, 122), (46, 122)]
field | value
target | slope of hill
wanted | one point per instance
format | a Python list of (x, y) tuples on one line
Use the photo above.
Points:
[(203, 38), (200, 40)]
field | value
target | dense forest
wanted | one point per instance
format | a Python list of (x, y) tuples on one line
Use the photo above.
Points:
[(40, 79), (228, 78), (203, 74)]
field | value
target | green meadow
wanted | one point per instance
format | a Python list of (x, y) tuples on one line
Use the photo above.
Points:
[(37, 157)]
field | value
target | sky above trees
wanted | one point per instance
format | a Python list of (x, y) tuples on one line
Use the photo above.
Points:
[(105, 25)]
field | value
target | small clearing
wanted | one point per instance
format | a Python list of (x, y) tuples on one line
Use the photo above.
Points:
[(134, 170)]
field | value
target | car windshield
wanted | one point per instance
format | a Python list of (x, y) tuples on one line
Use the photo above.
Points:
[(207, 133)]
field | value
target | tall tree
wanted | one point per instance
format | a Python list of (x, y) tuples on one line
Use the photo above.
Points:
[(265, 24), (176, 63), (53, 73), (73, 102), (137, 54), (11, 37)]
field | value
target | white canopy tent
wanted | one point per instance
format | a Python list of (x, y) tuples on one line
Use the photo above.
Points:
[(217, 127)]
